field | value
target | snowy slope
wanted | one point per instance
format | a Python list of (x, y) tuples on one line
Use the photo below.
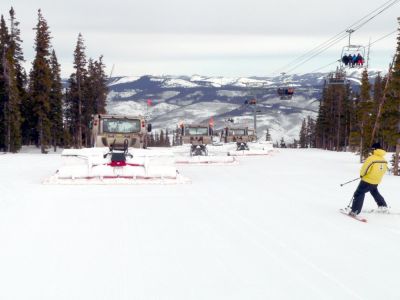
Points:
[(267, 228)]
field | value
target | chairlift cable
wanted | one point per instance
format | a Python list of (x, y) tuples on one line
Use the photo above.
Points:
[(377, 40), (316, 54), (388, 3), (320, 68), (334, 40), (385, 36)]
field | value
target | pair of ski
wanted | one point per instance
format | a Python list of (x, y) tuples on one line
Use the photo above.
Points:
[(362, 219)]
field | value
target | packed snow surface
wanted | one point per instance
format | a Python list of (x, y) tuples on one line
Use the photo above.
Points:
[(266, 228)]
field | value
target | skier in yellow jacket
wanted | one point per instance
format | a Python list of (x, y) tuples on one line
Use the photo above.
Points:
[(371, 173)]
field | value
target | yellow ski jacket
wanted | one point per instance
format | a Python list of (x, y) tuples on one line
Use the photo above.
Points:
[(374, 167)]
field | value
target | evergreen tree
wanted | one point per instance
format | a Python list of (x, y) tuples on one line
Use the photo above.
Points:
[(310, 132), (26, 108), (71, 110), (390, 111), (89, 99), (101, 90), (268, 136), (10, 99), (56, 103), (365, 110), (393, 107), (78, 89), (156, 139), (4, 45), (303, 135), (18, 80), (162, 139), (95, 93), (167, 139), (150, 140), (332, 127), (295, 144), (40, 83), (282, 143)]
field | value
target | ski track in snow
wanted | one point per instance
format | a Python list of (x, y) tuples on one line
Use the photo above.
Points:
[(246, 227)]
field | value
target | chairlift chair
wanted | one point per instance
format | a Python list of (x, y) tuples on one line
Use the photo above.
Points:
[(285, 93), (353, 50)]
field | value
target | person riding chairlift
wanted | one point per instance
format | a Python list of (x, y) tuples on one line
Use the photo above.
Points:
[(360, 60), (345, 60)]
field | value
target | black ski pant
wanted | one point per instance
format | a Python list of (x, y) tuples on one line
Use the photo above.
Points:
[(359, 194)]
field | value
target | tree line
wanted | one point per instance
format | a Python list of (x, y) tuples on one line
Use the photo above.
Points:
[(35, 107)]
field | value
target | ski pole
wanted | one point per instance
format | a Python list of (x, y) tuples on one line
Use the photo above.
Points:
[(351, 201), (358, 178)]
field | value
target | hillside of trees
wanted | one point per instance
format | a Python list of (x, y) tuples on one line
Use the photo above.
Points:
[(34, 107)]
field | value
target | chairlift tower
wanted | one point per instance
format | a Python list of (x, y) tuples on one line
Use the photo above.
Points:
[(350, 31)]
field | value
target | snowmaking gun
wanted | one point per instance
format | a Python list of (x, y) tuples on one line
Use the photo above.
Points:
[(117, 164)]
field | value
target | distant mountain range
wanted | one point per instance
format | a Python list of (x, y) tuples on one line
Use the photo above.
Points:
[(195, 99)]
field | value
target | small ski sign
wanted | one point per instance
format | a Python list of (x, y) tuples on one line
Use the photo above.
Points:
[(343, 211)]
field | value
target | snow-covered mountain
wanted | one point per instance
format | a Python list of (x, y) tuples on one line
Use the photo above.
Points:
[(196, 98)]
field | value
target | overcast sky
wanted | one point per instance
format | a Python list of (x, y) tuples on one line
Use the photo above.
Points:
[(207, 37)]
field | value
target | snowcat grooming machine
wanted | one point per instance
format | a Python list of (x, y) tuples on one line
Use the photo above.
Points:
[(238, 135), (198, 137), (252, 135), (123, 162), (115, 131), (242, 136)]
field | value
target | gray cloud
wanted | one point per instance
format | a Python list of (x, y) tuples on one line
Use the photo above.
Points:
[(163, 33)]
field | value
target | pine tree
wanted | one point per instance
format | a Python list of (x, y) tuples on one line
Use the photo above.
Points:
[(56, 103), (10, 102), (394, 102), (167, 139), (282, 143), (71, 110), (162, 139), (332, 126), (156, 139), (40, 83), (365, 110), (80, 77), (4, 45), (18, 83), (89, 99), (268, 136), (27, 120), (310, 132), (101, 86), (303, 135), (95, 93)]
